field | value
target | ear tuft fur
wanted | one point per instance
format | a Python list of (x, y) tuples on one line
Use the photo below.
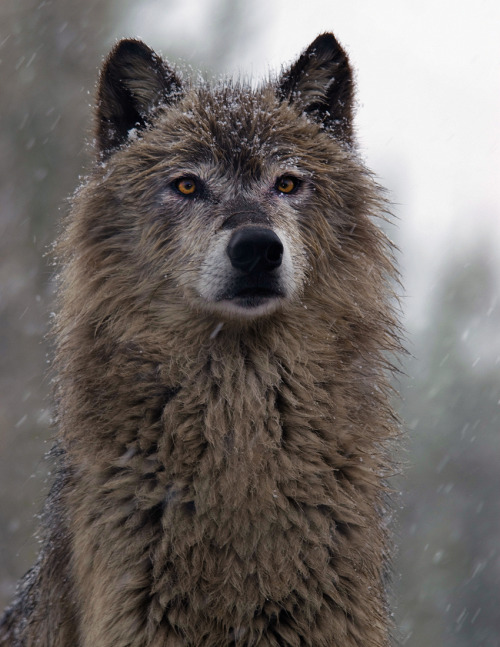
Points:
[(320, 82), (133, 81)]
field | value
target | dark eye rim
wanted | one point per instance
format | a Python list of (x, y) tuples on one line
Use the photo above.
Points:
[(198, 186), (287, 176)]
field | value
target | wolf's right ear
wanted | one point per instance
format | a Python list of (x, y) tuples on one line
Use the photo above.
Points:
[(321, 84), (133, 81)]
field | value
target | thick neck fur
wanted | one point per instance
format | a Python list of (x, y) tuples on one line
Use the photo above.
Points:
[(217, 444)]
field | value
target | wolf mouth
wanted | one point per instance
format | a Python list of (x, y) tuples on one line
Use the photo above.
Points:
[(267, 293), (252, 296)]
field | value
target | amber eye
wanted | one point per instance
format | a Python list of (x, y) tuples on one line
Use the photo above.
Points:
[(286, 184), (186, 185)]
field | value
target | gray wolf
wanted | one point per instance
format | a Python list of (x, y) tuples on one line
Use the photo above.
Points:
[(222, 341)]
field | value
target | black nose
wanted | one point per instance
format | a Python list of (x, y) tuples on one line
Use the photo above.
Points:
[(255, 249)]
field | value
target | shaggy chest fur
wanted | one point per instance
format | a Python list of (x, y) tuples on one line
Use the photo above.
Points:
[(231, 510)]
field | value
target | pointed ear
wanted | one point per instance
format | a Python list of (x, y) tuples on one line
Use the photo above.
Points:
[(321, 84), (133, 81)]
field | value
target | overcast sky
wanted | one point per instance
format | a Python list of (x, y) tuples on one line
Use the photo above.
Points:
[(428, 76)]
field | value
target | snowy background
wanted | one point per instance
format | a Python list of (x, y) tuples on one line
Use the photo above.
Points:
[(428, 77)]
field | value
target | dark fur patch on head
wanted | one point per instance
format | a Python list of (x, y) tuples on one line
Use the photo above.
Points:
[(133, 81)]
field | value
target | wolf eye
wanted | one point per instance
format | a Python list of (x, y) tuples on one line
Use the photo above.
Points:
[(186, 186), (286, 184)]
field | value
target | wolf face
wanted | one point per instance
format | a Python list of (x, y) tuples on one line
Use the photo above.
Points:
[(232, 186), (236, 223)]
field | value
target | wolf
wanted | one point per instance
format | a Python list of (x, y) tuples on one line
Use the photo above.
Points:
[(224, 340)]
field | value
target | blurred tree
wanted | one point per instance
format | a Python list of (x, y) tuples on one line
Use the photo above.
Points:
[(450, 523), (49, 52), (233, 24)]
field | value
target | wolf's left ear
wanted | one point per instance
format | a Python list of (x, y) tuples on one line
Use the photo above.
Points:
[(320, 82), (133, 81)]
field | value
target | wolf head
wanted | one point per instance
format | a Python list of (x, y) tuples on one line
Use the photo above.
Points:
[(223, 199)]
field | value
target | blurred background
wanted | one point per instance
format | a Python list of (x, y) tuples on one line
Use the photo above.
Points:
[(428, 77)]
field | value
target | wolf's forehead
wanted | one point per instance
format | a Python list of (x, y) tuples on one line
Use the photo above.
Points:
[(232, 126), (234, 119)]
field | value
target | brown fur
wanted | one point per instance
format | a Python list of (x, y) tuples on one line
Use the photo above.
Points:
[(221, 470)]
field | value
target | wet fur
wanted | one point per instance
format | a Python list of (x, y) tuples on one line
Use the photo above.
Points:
[(221, 473)]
